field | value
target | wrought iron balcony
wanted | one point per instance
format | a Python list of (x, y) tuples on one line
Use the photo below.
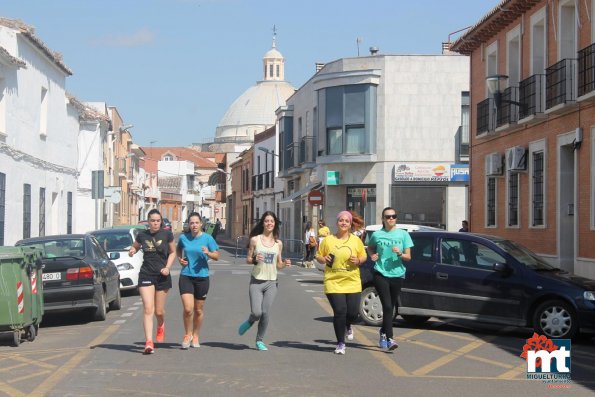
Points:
[(561, 83), (586, 70), (508, 112), (307, 149), (483, 116), (531, 95)]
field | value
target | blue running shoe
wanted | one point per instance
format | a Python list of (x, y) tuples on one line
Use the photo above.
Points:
[(391, 345), (245, 326), (261, 346), (382, 342)]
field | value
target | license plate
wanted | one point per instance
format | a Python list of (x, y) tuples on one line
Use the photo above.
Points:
[(51, 276)]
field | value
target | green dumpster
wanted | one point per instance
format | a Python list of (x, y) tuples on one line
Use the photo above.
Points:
[(21, 292)]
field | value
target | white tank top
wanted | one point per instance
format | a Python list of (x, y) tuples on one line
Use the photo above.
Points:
[(267, 269)]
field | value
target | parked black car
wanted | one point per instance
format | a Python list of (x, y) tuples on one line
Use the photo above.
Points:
[(487, 279), (77, 274)]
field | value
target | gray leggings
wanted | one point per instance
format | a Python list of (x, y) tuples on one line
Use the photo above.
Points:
[(262, 295)]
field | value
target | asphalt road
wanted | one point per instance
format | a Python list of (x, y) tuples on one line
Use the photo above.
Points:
[(73, 357)]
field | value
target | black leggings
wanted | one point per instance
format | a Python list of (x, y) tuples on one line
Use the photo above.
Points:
[(345, 311), (388, 289), (310, 251)]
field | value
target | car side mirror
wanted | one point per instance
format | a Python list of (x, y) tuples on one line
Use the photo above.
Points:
[(114, 255), (502, 268)]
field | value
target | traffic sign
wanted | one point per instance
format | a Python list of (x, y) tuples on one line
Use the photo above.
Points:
[(315, 197)]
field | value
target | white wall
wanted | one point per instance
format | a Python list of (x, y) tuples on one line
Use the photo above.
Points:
[(48, 162)]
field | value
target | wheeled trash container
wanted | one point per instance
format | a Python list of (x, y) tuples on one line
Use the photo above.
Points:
[(21, 292)]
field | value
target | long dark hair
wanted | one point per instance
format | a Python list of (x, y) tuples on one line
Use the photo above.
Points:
[(259, 228)]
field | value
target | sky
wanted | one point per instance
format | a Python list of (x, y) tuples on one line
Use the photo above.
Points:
[(173, 67)]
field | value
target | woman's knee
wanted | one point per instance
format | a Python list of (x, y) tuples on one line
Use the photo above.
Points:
[(159, 312)]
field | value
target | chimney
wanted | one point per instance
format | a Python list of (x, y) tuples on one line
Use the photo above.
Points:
[(373, 50), (319, 65), (446, 48)]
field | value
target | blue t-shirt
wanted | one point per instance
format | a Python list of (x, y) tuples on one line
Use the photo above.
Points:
[(383, 241), (197, 260)]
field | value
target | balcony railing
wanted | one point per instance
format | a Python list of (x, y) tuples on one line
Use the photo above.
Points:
[(259, 183), (586, 70), (292, 154), (560, 83), (531, 95), (508, 112), (483, 116), (307, 149)]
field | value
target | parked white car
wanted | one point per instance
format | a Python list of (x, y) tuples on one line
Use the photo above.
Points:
[(116, 242)]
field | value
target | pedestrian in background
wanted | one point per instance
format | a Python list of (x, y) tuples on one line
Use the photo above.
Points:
[(343, 253), (310, 243), (358, 226), (194, 249), (465, 226), (264, 252), (154, 279), (323, 231), (388, 248)]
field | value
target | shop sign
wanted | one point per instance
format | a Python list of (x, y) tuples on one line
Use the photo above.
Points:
[(361, 191), (430, 172), (332, 177)]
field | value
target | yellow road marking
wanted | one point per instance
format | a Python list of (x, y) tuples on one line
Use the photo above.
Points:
[(31, 375), (426, 369), (11, 391), (430, 346), (65, 369), (39, 363), (384, 358), (454, 335), (489, 361), (514, 373)]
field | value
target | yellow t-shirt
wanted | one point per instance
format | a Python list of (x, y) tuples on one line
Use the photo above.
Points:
[(343, 277)]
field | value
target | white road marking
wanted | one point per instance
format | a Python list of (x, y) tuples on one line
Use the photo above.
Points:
[(138, 303), (126, 314), (119, 321), (133, 308)]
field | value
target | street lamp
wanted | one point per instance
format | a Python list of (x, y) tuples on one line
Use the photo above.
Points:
[(224, 172), (496, 86), (125, 127)]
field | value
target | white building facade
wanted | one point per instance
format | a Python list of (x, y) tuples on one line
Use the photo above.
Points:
[(377, 131), (38, 138)]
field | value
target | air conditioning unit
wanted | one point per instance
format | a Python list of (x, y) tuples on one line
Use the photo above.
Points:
[(516, 159), (493, 164)]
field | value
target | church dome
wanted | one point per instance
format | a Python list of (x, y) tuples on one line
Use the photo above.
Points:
[(254, 110)]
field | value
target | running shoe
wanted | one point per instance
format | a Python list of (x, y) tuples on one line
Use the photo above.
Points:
[(349, 333), (195, 342), (149, 348), (160, 333), (340, 349), (382, 342), (261, 346), (186, 341), (391, 344), (245, 326)]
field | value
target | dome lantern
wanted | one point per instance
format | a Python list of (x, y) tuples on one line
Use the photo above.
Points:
[(273, 61)]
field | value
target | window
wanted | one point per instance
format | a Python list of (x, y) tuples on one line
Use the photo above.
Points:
[(278, 74), (349, 117), (513, 199), (69, 213), (2, 206), (168, 157), (41, 211), (2, 109), (537, 188), (43, 114), (422, 249), (464, 142), (270, 70), (513, 49), (285, 142), (26, 210), (465, 253), (538, 40), (491, 202), (567, 43)]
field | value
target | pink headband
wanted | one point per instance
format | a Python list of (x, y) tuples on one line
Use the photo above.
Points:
[(346, 214)]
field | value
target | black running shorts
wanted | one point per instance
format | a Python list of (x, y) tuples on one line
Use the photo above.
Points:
[(160, 281), (197, 286)]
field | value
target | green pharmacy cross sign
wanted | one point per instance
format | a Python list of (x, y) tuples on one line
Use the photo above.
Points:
[(332, 177)]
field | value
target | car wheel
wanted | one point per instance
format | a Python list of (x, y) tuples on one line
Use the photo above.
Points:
[(116, 304), (555, 319), (370, 308), (101, 312), (16, 338), (415, 320)]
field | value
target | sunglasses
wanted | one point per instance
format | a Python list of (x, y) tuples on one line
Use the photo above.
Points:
[(393, 216)]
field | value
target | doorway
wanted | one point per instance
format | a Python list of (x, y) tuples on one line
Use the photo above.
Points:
[(566, 204)]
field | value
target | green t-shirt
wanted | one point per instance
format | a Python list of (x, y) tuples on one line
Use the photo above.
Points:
[(383, 241)]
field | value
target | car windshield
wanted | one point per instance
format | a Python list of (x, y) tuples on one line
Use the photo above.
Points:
[(60, 248), (524, 255), (114, 241)]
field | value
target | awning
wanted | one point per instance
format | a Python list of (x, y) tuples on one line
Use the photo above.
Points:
[(299, 193)]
